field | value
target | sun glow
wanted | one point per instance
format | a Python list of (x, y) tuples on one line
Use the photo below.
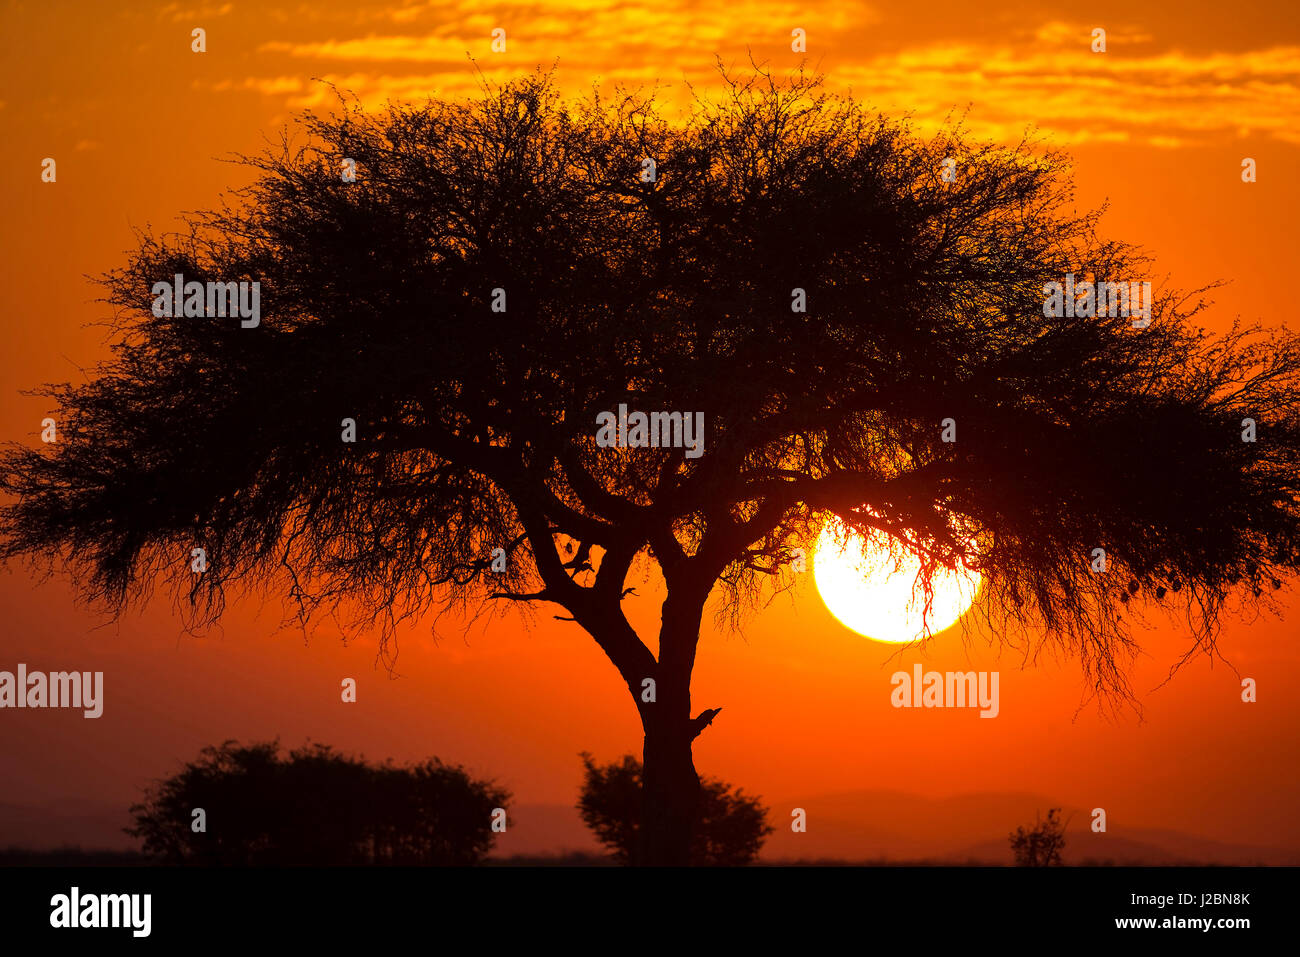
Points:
[(871, 591)]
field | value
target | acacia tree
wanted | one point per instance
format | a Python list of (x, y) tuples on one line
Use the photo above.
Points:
[(502, 271)]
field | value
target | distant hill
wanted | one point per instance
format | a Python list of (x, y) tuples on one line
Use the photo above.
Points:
[(973, 828), (65, 823), (544, 829)]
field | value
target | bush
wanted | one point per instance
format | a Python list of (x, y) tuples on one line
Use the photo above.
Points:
[(1041, 845), (730, 830), (315, 807)]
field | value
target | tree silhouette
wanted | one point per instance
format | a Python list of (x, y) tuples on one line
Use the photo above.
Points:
[(729, 831), (475, 429), (1042, 844), (315, 807)]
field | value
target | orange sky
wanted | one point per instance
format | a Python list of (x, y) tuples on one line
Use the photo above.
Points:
[(139, 126)]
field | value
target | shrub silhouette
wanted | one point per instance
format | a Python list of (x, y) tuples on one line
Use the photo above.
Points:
[(315, 807), (1041, 845), (731, 828)]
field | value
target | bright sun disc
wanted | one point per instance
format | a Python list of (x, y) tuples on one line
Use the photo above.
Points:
[(860, 587)]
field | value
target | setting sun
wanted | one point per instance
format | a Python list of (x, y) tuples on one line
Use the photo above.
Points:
[(871, 590)]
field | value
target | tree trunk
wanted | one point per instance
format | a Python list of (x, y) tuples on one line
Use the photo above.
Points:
[(670, 794), (670, 786)]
